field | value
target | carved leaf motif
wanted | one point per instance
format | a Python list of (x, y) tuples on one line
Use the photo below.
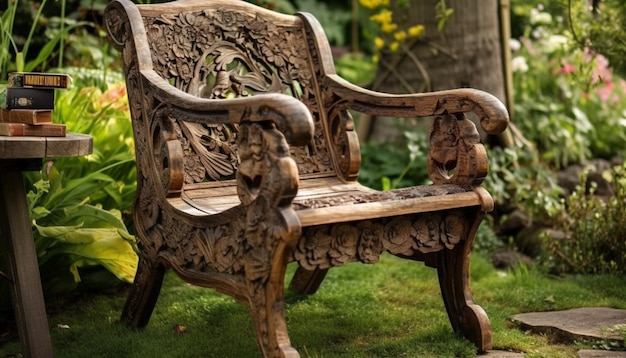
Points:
[(212, 146), (370, 244)]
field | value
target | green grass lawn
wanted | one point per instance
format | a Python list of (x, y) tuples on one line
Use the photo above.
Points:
[(392, 309)]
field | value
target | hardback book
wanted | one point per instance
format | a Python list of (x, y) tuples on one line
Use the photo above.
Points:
[(29, 98), (28, 116), (39, 79), (35, 130)]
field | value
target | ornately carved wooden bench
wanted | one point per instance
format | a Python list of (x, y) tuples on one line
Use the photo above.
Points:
[(248, 160)]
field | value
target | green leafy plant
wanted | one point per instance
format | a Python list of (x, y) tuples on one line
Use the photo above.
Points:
[(14, 56), (80, 206), (594, 228), (395, 165), (71, 234), (568, 102), (517, 175)]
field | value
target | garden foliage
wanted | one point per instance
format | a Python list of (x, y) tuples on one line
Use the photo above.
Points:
[(595, 229), (569, 105), (79, 206)]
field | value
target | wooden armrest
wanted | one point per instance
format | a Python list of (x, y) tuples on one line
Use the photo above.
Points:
[(493, 115), (291, 116)]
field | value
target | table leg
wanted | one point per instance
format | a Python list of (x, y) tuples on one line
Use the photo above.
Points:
[(28, 301)]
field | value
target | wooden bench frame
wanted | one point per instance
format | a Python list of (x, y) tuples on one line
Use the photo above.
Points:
[(247, 160)]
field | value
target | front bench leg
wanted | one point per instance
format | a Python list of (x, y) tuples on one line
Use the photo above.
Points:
[(466, 317), (457, 157), (267, 182)]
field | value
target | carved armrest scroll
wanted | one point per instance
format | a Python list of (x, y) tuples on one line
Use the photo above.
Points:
[(268, 123), (456, 155), (493, 115)]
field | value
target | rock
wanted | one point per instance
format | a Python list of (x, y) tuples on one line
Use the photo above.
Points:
[(509, 257), (528, 241), (595, 353), (514, 222), (500, 354), (595, 323), (569, 177)]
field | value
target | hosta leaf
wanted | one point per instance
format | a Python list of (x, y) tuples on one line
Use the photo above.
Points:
[(69, 234), (111, 251), (94, 216), (108, 247)]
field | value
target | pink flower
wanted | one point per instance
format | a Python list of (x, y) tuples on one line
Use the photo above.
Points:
[(605, 91), (566, 68)]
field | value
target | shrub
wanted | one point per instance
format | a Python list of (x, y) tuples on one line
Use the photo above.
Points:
[(595, 229)]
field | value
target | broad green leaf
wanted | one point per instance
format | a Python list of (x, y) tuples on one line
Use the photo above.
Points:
[(71, 234), (109, 250), (93, 216)]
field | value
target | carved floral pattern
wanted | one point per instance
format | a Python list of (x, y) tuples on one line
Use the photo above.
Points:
[(322, 247), (222, 54)]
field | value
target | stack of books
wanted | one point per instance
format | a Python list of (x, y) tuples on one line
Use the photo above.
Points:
[(29, 103)]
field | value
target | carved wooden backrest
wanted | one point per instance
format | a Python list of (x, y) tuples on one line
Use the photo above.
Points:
[(221, 50)]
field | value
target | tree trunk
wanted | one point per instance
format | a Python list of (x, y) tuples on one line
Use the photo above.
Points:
[(467, 53)]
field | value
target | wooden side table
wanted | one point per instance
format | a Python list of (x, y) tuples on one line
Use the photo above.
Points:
[(17, 155)]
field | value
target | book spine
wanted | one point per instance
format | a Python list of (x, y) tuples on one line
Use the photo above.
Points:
[(12, 129), (29, 98), (45, 130), (39, 130), (42, 80), (27, 116)]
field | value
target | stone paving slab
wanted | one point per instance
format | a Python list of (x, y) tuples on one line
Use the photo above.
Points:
[(583, 353), (596, 323), (590, 353), (500, 354)]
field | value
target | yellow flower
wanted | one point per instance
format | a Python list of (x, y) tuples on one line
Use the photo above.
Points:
[(375, 58), (379, 42), (394, 46), (415, 31), (399, 36), (370, 4), (388, 27), (383, 17)]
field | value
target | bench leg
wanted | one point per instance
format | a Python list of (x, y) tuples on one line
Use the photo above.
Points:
[(306, 282), (467, 318), (266, 301), (143, 293)]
